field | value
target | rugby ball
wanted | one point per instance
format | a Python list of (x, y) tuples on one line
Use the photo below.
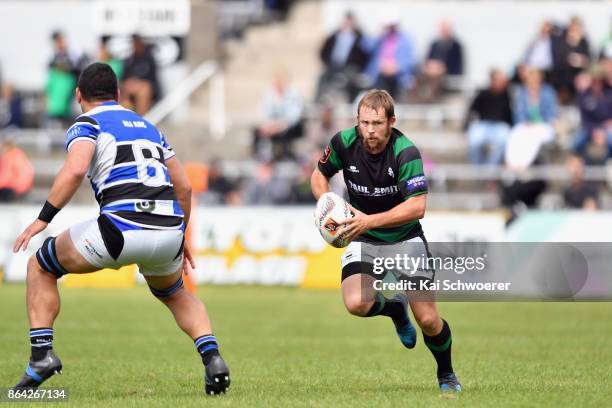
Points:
[(331, 210)]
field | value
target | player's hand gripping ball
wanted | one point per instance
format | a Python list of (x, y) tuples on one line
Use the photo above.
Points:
[(331, 211)]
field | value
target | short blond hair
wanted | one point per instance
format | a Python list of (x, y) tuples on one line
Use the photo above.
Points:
[(376, 99)]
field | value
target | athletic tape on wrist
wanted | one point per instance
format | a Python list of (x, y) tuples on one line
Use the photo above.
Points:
[(48, 212)]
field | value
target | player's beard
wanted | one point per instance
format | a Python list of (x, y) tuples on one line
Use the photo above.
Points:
[(376, 144)]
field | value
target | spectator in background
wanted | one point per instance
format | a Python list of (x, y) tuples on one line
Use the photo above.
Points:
[(268, 188), (520, 192), (579, 194), (220, 189), (598, 150), (444, 58), (539, 54), (571, 55), (105, 56), (445, 54), (140, 83), (61, 80), (392, 60), (489, 119), (11, 112), (16, 172), (535, 109), (344, 56), (279, 8), (301, 192), (595, 105), (319, 130), (282, 109)]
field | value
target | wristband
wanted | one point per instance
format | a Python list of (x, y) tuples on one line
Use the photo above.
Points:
[(48, 212)]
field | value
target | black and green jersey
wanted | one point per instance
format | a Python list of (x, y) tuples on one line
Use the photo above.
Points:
[(377, 182)]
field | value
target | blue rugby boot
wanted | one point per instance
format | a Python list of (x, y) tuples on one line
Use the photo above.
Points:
[(39, 371), (404, 328), (449, 383)]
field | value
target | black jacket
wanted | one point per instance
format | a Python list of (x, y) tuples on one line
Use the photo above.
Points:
[(358, 56), (450, 53)]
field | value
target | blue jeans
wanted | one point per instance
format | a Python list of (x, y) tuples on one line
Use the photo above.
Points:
[(484, 132)]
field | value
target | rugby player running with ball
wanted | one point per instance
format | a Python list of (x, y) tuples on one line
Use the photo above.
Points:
[(383, 172)]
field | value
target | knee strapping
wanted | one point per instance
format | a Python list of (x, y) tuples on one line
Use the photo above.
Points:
[(164, 293), (47, 258)]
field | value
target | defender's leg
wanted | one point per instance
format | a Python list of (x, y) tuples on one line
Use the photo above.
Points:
[(188, 311), (191, 316), (55, 258)]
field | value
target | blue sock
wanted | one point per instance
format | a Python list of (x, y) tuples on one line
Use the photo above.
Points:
[(207, 347), (41, 340)]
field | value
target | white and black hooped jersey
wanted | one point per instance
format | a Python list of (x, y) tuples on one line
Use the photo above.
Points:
[(127, 172)]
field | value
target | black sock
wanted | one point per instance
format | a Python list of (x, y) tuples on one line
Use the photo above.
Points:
[(207, 347), (440, 347), (41, 340), (385, 307)]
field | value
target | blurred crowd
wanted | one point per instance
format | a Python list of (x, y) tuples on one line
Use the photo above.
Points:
[(520, 119), (354, 62), (16, 172), (523, 119), (137, 74), (517, 121), (139, 90)]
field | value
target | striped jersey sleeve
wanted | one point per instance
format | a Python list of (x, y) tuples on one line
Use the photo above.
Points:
[(330, 163), (168, 152), (84, 128), (411, 180)]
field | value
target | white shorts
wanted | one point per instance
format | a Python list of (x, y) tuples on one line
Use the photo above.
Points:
[(156, 252)]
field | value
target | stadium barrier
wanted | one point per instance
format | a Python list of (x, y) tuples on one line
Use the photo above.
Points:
[(241, 245)]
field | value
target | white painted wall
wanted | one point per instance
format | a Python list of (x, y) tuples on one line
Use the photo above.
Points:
[(25, 37), (26, 27)]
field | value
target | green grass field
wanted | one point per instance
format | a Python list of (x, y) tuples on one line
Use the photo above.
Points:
[(293, 347)]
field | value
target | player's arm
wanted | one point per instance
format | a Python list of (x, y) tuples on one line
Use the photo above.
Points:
[(72, 173), (410, 210), (64, 186), (182, 187), (182, 190), (328, 165), (319, 184), (412, 185)]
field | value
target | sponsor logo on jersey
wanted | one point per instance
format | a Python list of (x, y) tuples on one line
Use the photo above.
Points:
[(416, 183), (374, 192), (145, 206), (391, 172), (326, 154), (353, 169)]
